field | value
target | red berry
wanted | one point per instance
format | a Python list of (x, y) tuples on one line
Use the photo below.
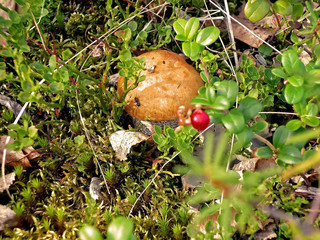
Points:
[(200, 119)]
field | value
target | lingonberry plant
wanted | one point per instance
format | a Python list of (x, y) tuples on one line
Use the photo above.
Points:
[(60, 56)]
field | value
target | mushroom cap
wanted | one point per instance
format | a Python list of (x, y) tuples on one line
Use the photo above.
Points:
[(170, 82)]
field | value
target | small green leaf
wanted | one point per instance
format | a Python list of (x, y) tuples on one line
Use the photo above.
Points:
[(234, 121), (294, 125), (192, 50), (314, 76), (26, 142), (279, 73), (88, 232), (256, 10), (14, 16), (52, 62), (293, 94), (290, 154), (312, 109), (191, 27), (13, 134), (311, 121), (181, 37), (14, 127), (56, 87), (24, 96), (244, 137), (15, 146), (283, 7), (32, 132), (259, 126), (264, 152), (291, 62), (228, 89), (221, 103), (280, 136), (294, 38), (250, 107), (179, 26), (296, 80), (120, 228), (208, 36), (27, 85)]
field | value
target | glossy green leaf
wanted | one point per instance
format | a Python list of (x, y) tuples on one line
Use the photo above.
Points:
[(283, 7), (234, 121), (294, 125), (293, 94), (244, 137), (311, 121), (296, 80), (264, 152), (290, 154), (250, 107), (256, 10), (192, 50), (280, 136), (279, 73), (208, 35), (88, 232), (191, 27), (229, 89), (221, 103), (259, 126), (312, 109), (179, 26), (291, 62), (181, 37), (314, 76), (120, 229)]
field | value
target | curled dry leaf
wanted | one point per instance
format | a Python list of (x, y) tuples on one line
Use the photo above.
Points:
[(258, 28), (14, 158), (9, 178), (122, 141), (10, 104), (7, 217), (253, 164)]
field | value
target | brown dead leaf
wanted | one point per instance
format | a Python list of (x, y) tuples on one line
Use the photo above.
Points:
[(31, 153), (259, 28), (267, 233), (9, 178), (7, 217), (14, 158), (122, 141), (253, 164)]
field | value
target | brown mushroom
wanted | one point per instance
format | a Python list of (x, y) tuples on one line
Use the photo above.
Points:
[(170, 82)]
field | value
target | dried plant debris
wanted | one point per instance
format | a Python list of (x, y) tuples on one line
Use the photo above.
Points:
[(258, 28), (14, 158), (267, 233), (9, 178), (253, 164), (10, 104), (7, 217), (122, 141), (95, 188)]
